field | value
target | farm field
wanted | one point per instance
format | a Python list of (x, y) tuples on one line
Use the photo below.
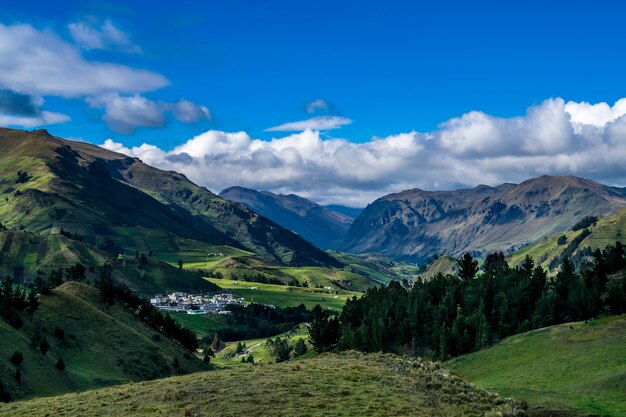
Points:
[(284, 295)]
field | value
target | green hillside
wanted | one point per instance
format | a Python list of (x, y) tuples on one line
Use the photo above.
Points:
[(99, 345), (259, 350), (284, 295), (50, 184), (606, 231), (445, 265), (577, 366), (25, 255), (347, 384)]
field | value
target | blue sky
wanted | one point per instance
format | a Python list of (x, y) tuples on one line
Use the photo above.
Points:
[(376, 69)]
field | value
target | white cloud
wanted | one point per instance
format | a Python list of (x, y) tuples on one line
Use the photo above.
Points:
[(315, 105), (107, 36), (40, 63), (124, 114), (19, 109), (41, 119), (187, 112), (314, 123), (472, 149)]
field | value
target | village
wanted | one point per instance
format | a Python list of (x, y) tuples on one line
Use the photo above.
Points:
[(199, 304)]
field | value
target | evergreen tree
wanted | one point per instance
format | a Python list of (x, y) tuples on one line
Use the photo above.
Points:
[(468, 267), (323, 331), (299, 348)]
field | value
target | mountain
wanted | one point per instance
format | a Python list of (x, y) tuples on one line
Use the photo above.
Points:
[(51, 185), (577, 243), (573, 369), (100, 346), (417, 224), (346, 384), (352, 212), (317, 224)]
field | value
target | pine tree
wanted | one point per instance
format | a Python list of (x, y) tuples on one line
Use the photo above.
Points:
[(468, 267)]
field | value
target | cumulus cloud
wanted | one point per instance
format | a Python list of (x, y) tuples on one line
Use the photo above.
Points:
[(107, 36), (18, 109), (124, 114), (317, 105), (314, 123), (475, 148), (41, 63)]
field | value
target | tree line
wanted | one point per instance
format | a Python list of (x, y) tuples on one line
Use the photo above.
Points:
[(451, 315)]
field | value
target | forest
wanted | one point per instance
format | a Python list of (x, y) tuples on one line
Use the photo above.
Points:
[(450, 315)]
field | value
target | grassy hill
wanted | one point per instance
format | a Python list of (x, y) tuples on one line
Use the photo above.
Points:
[(347, 384), (577, 366), (258, 349), (25, 255), (100, 346), (575, 244), (445, 265)]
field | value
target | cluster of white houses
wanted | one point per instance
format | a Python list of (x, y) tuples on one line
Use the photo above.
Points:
[(181, 302)]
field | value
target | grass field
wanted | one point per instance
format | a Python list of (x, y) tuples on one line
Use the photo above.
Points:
[(347, 384), (258, 349), (203, 325), (575, 366), (285, 296)]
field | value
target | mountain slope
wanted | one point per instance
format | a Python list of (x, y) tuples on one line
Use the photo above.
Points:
[(99, 194), (90, 332), (347, 384), (576, 244), (317, 224), (577, 366), (25, 255), (416, 224)]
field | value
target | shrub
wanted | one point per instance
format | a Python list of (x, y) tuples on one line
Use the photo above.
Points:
[(17, 358), (60, 364), (59, 333), (44, 346)]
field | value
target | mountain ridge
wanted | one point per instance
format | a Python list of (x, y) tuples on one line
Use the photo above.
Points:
[(415, 224), (318, 224)]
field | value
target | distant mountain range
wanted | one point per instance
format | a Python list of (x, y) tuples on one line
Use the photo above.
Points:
[(51, 185), (319, 225), (416, 224)]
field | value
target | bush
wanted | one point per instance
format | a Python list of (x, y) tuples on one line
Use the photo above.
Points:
[(59, 333), (44, 346), (60, 364), (17, 358)]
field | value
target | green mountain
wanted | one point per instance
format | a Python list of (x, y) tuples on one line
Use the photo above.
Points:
[(347, 384), (99, 345), (577, 244), (416, 224), (580, 367), (317, 224), (51, 185)]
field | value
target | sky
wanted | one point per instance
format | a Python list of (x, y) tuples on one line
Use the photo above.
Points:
[(340, 102)]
